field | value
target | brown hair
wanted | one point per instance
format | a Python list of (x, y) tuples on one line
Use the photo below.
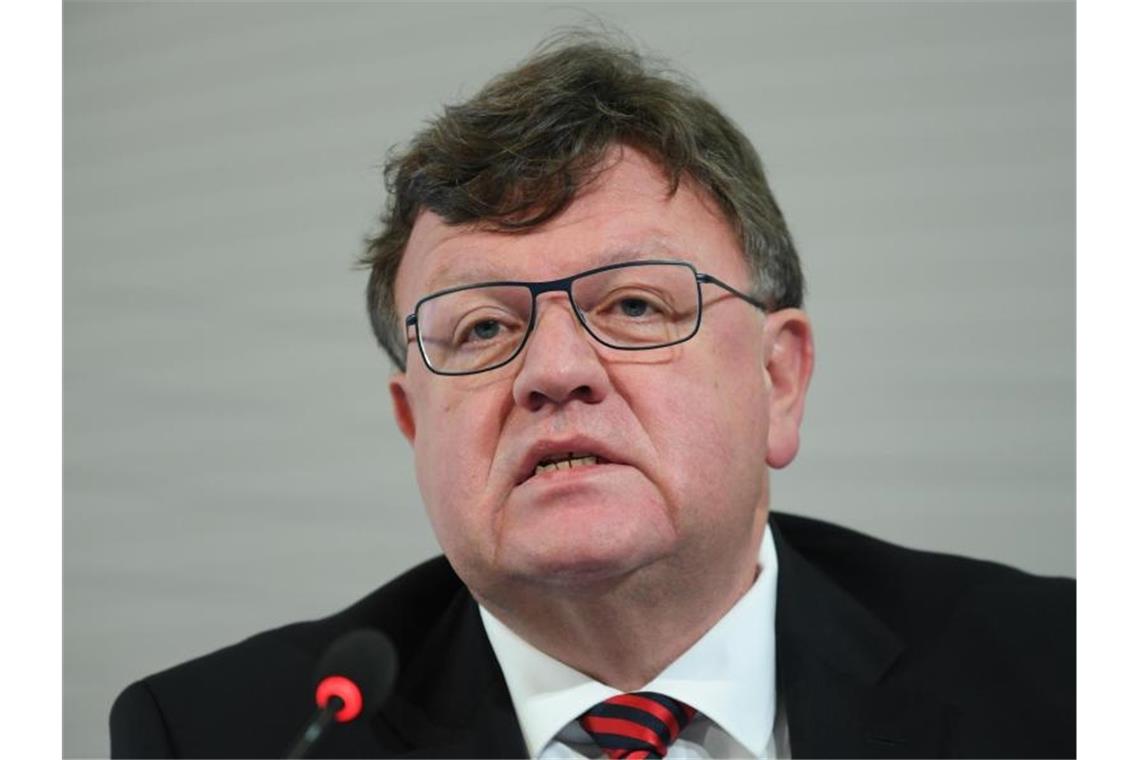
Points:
[(517, 153)]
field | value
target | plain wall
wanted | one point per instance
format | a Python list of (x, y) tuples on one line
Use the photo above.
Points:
[(230, 461)]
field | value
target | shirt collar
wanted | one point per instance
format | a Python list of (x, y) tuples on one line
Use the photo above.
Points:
[(729, 674)]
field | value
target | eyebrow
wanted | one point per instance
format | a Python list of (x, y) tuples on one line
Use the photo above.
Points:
[(459, 272)]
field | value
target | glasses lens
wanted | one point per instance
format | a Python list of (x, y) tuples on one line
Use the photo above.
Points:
[(639, 306), (475, 328)]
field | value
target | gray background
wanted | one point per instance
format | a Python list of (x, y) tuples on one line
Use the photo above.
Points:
[(230, 462)]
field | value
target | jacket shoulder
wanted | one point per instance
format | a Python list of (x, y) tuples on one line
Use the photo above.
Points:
[(919, 592), (995, 643), (249, 699)]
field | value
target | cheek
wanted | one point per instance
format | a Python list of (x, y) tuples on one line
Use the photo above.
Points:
[(710, 422), (455, 447), (723, 439), (742, 413)]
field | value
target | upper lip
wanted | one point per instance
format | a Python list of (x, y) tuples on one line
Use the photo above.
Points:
[(579, 445)]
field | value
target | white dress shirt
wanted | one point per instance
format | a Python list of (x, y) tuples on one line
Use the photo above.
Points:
[(728, 676)]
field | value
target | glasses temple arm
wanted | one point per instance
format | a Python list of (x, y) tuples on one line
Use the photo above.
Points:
[(702, 277), (410, 322)]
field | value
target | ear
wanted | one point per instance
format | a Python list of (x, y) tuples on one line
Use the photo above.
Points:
[(402, 406), (790, 355)]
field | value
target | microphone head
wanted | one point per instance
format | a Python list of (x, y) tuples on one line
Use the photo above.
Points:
[(360, 668)]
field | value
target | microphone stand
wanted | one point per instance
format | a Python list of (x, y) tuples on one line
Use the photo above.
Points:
[(316, 727)]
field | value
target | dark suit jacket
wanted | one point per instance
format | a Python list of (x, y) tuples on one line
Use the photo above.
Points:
[(881, 652)]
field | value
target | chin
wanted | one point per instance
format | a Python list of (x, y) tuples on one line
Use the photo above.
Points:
[(584, 568)]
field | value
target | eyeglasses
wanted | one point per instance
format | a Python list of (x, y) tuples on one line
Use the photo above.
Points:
[(632, 306)]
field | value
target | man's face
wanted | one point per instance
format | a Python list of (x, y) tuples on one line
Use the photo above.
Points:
[(683, 433)]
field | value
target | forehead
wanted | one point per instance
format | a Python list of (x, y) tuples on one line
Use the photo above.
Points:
[(626, 214)]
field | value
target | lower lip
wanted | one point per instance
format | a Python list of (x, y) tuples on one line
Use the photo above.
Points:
[(595, 485)]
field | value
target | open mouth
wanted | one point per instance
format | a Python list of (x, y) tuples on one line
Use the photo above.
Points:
[(568, 461)]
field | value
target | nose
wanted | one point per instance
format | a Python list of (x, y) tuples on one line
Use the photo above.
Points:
[(560, 362)]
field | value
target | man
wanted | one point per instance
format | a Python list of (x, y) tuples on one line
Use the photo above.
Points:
[(594, 307)]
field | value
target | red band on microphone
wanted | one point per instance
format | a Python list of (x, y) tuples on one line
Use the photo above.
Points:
[(339, 686)]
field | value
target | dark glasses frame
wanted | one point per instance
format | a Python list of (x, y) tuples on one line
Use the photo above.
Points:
[(563, 285)]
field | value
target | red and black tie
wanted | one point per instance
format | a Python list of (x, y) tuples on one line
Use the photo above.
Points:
[(636, 726)]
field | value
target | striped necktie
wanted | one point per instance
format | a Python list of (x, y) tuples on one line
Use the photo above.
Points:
[(636, 726)]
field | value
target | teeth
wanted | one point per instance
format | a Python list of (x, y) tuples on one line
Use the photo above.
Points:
[(565, 464)]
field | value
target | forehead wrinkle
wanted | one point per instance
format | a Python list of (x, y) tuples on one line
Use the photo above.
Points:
[(462, 269)]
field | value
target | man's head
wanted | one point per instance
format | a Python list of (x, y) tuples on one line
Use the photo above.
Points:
[(518, 152), (580, 158)]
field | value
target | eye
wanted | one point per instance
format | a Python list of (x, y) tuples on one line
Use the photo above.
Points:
[(631, 304), (479, 332), (485, 329), (634, 307)]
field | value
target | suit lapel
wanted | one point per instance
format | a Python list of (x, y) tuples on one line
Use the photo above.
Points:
[(833, 664), (452, 700)]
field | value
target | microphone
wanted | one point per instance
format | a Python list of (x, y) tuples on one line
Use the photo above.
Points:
[(353, 679)]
